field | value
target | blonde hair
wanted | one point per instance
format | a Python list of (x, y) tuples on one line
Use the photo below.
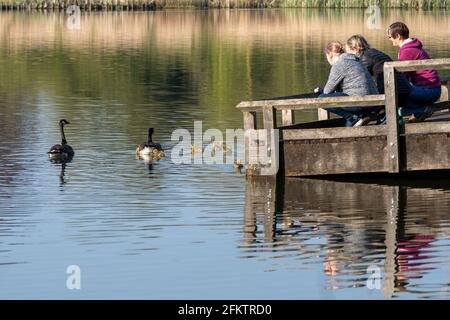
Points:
[(334, 47), (357, 42)]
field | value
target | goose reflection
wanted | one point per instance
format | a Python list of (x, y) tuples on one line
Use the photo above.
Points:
[(62, 172), (147, 159), (343, 228)]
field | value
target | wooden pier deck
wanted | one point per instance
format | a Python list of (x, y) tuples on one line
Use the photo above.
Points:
[(325, 147)]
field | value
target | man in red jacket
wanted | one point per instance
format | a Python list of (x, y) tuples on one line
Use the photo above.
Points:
[(426, 85)]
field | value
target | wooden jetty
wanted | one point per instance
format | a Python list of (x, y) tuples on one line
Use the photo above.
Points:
[(325, 147)]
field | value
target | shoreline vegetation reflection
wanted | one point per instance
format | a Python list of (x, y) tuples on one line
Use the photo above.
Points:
[(223, 236), (140, 5)]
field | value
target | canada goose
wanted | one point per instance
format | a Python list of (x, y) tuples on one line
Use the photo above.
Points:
[(221, 146), (238, 165), (150, 149), (61, 152)]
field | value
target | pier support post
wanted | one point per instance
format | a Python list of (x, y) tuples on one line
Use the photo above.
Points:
[(251, 148), (272, 141), (323, 114), (393, 148), (444, 90), (287, 117)]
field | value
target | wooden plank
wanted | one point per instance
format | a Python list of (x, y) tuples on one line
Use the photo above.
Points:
[(251, 152), (444, 93), (427, 128), (428, 151), (249, 120), (314, 103), (414, 65), (333, 133), (272, 141), (287, 117), (393, 147), (269, 117), (323, 114), (316, 157)]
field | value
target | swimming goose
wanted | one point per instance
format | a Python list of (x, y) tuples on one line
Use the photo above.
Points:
[(61, 151), (150, 149)]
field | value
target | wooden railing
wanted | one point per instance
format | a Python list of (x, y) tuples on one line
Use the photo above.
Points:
[(392, 130)]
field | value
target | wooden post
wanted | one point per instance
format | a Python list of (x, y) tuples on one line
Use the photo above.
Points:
[(444, 91), (270, 124), (287, 117), (249, 120), (393, 148), (323, 114), (269, 117), (251, 147)]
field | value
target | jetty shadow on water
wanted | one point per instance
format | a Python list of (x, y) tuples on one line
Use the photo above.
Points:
[(357, 230)]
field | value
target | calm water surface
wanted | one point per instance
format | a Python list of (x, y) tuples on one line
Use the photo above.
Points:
[(194, 231)]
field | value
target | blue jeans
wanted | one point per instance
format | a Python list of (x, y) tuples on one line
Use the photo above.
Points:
[(350, 114), (420, 97)]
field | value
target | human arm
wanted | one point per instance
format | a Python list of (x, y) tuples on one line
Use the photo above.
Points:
[(334, 79)]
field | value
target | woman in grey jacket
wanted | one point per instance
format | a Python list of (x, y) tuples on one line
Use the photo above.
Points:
[(348, 77)]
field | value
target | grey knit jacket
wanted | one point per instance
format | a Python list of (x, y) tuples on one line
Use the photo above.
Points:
[(350, 76)]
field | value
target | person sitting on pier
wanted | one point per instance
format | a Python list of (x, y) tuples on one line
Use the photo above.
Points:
[(348, 77), (374, 60), (426, 84)]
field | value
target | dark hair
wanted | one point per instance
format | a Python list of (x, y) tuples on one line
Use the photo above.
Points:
[(334, 47), (398, 28)]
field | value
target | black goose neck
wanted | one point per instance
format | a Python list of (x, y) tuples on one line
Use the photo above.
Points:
[(150, 133), (63, 136)]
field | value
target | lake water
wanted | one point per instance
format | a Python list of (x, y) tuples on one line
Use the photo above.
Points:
[(172, 231)]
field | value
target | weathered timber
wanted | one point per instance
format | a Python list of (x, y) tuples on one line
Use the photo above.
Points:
[(444, 89), (272, 145), (325, 147), (288, 117), (427, 128), (249, 127), (332, 133), (323, 114), (313, 103), (429, 151), (404, 66), (334, 156), (392, 119)]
